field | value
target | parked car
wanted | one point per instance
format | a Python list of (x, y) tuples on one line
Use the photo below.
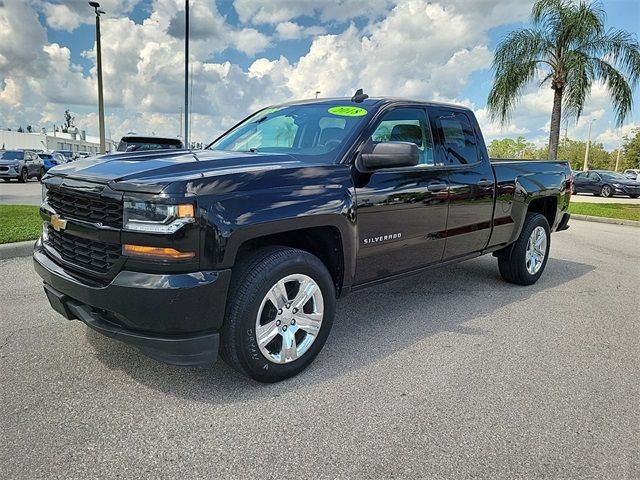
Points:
[(51, 160), (20, 165), (69, 155), (632, 173), (245, 246), (135, 143), (605, 183), (83, 155)]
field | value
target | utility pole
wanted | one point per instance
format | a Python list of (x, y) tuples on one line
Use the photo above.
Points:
[(96, 7), (186, 74), (585, 167), (618, 155)]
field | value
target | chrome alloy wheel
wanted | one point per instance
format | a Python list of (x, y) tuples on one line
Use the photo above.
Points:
[(289, 318), (536, 250)]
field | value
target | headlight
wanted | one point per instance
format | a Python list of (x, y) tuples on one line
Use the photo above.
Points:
[(141, 216), (617, 185)]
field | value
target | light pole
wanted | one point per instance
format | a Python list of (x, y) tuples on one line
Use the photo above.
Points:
[(585, 167), (618, 153), (317, 93), (96, 7), (186, 74)]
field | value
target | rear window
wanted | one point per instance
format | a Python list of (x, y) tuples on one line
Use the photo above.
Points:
[(11, 155), (458, 139)]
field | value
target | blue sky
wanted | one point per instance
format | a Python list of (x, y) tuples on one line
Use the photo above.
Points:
[(248, 53)]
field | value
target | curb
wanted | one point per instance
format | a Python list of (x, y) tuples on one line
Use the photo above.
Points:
[(18, 249), (612, 221)]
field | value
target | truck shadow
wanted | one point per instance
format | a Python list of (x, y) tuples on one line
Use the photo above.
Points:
[(370, 326)]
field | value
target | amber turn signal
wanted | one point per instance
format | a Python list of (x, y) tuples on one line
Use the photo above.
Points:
[(185, 211), (156, 252)]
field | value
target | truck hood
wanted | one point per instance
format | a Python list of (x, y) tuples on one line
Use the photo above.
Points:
[(151, 171)]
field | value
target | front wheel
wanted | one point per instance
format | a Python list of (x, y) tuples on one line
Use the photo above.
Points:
[(606, 191), (526, 259), (24, 176), (40, 174), (280, 311), (634, 196)]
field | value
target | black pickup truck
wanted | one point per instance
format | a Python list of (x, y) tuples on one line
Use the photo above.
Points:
[(241, 249)]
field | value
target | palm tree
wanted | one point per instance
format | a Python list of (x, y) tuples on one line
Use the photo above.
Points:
[(569, 48)]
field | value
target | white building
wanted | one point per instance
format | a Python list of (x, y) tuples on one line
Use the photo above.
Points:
[(76, 141)]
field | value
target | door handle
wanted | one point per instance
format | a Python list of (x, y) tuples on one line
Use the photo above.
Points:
[(437, 187), (485, 183)]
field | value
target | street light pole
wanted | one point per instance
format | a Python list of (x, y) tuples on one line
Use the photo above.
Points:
[(186, 74), (585, 167), (618, 154), (103, 142)]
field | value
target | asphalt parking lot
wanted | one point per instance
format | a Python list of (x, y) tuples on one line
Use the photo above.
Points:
[(448, 374), (14, 193)]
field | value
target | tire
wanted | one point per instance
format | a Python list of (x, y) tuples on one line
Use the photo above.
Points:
[(6, 179), (515, 264), (250, 306), (634, 196), (24, 176), (606, 191), (40, 174), (573, 190)]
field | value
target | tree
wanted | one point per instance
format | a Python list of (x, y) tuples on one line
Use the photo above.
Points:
[(631, 149), (20, 129), (510, 148), (572, 151), (29, 128), (568, 48)]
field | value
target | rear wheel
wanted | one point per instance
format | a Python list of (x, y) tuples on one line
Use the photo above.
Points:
[(526, 259), (606, 191), (41, 174), (279, 313), (24, 176)]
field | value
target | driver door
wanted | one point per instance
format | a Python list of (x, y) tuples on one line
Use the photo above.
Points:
[(402, 212)]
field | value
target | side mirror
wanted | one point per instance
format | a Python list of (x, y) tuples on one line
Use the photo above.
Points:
[(389, 155)]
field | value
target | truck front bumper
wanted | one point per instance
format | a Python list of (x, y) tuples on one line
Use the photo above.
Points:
[(172, 318)]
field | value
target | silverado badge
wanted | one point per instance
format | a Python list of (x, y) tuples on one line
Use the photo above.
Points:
[(58, 223)]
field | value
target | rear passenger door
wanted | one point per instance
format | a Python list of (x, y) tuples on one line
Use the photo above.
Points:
[(471, 181)]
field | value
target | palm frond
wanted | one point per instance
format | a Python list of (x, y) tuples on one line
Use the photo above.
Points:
[(621, 49), (515, 63), (577, 86), (619, 89)]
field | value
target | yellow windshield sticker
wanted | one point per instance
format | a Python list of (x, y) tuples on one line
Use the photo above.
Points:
[(345, 111)]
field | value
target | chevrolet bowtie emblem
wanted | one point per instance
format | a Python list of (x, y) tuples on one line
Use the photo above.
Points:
[(58, 223)]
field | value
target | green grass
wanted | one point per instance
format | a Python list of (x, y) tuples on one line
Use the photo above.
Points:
[(610, 210), (19, 223)]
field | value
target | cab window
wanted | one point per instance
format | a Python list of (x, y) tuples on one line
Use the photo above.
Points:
[(407, 125), (458, 139)]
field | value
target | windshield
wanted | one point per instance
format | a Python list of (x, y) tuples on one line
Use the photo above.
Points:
[(45, 156), (132, 146), (297, 130), (613, 176), (11, 155)]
